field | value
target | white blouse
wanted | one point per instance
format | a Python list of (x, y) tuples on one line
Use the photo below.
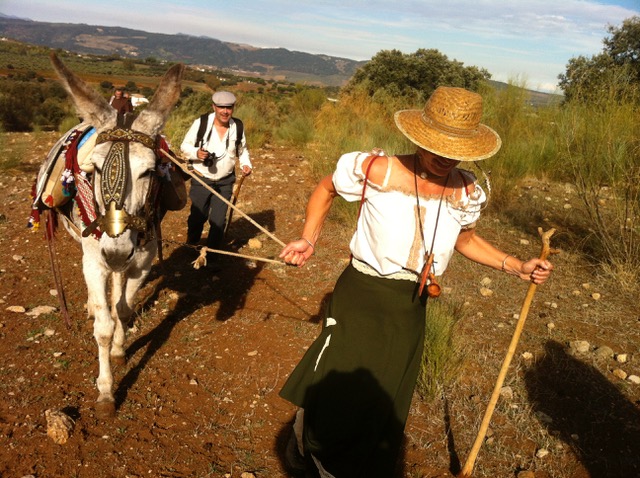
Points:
[(387, 237)]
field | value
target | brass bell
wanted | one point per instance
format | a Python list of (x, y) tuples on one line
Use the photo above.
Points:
[(114, 222)]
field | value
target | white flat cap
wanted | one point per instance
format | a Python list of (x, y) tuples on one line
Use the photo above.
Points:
[(223, 98)]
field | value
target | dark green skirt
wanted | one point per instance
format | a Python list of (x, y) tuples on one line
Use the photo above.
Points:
[(356, 381)]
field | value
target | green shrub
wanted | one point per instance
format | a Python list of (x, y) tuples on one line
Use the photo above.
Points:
[(528, 149), (67, 123), (443, 357), (600, 148), (295, 130), (308, 101), (181, 118), (261, 118), (354, 123)]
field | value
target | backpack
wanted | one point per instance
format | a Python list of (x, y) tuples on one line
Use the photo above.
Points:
[(203, 126)]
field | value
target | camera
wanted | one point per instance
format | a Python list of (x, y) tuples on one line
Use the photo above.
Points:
[(209, 160)]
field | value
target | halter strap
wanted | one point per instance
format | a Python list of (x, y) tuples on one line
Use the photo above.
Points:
[(123, 132), (127, 135)]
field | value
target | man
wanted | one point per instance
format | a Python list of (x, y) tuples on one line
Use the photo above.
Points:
[(121, 102), (213, 149)]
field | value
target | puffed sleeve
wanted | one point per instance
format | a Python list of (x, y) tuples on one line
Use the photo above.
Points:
[(348, 177), (473, 199)]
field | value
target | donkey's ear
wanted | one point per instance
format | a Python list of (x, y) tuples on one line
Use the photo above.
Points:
[(152, 118), (90, 105)]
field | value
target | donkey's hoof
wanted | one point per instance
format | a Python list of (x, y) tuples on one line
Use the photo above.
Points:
[(118, 360), (105, 410)]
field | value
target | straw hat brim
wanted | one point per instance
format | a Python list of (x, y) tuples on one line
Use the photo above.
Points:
[(482, 143)]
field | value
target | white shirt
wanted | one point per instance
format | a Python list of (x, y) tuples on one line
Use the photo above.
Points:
[(224, 149), (387, 237)]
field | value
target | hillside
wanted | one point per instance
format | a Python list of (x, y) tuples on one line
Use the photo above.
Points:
[(101, 40)]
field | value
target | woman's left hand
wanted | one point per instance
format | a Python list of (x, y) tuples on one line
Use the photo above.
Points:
[(536, 270)]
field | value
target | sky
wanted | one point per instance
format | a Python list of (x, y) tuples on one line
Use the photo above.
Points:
[(523, 41)]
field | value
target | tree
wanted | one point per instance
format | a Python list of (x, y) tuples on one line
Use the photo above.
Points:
[(147, 91), (624, 44), (415, 75), (615, 72), (212, 81), (50, 114), (18, 104), (131, 86), (128, 64)]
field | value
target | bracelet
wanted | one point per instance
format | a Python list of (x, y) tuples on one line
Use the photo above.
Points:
[(504, 262), (309, 242)]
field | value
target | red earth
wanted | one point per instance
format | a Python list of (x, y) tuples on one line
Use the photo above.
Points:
[(208, 354)]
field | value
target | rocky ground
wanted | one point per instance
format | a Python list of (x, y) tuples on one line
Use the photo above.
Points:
[(207, 355)]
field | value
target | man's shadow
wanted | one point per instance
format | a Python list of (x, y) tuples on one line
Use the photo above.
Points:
[(587, 412), (195, 289)]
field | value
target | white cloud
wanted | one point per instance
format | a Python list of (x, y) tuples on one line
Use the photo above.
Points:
[(532, 38)]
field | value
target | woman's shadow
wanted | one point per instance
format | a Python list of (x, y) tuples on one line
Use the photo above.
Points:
[(587, 412), (357, 426)]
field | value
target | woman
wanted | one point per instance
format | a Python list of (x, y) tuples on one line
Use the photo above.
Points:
[(356, 381)]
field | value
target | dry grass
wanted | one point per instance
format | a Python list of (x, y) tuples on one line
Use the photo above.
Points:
[(443, 355)]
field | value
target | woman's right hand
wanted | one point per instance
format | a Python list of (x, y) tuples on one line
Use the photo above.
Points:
[(297, 252)]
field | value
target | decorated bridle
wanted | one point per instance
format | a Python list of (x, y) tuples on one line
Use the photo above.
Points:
[(114, 181)]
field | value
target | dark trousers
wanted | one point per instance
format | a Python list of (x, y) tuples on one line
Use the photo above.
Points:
[(205, 206)]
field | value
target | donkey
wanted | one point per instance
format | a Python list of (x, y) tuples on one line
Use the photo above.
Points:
[(119, 245)]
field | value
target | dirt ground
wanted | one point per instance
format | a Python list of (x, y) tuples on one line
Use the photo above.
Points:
[(207, 355)]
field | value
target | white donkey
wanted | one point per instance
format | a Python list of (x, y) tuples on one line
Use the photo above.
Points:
[(119, 245)]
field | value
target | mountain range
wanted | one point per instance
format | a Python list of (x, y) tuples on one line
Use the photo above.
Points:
[(267, 63), (295, 66)]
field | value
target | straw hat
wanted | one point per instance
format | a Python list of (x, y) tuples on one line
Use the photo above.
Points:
[(449, 126)]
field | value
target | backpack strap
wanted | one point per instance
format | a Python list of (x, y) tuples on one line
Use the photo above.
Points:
[(204, 119), (239, 133)]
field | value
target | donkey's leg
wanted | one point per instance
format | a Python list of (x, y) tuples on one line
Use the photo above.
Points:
[(118, 282), (96, 276), (137, 273), (125, 287)]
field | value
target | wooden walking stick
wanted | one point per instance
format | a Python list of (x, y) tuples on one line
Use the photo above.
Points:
[(468, 466)]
